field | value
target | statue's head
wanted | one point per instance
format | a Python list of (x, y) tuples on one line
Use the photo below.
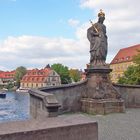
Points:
[(101, 19), (101, 16)]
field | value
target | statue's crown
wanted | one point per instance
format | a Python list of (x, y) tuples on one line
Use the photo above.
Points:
[(101, 13)]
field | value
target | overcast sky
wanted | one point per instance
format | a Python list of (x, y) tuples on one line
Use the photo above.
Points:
[(34, 33)]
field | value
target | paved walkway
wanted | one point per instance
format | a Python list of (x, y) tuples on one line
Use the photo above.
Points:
[(122, 126), (117, 126)]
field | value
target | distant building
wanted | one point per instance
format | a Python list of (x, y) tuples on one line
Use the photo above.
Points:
[(122, 60), (83, 76), (6, 77), (40, 78)]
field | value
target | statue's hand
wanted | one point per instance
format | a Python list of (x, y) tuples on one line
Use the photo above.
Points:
[(95, 34)]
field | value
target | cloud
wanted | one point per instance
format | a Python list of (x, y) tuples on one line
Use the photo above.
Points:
[(122, 22), (73, 22), (35, 51), (123, 30), (3, 68)]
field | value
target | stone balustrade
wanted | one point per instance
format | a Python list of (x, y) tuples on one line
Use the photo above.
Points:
[(43, 104)]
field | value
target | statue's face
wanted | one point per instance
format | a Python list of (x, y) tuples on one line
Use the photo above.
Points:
[(101, 19)]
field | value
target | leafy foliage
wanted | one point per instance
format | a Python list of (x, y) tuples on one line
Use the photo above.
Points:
[(63, 71), (10, 85), (136, 58), (75, 74), (132, 74), (20, 72)]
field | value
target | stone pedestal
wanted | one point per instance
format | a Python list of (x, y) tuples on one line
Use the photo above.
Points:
[(102, 106), (101, 97)]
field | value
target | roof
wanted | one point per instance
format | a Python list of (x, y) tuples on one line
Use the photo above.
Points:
[(48, 66), (36, 75), (7, 74), (126, 54), (37, 72)]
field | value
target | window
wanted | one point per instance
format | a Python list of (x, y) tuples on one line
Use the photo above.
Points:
[(28, 78), (128, 57), (48, 79), (53, 78)]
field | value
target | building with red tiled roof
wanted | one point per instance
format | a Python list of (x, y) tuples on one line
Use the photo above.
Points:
[(40, 78), (122, 60), (83, 76), (6, 77)]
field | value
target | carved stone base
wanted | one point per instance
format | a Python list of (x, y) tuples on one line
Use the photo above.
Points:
[(103, 106), (101, 97), (99, 85)]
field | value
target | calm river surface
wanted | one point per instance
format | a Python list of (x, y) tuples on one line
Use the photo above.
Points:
[(14, 107)]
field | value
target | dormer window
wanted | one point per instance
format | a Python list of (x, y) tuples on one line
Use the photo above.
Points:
[(127, 58)]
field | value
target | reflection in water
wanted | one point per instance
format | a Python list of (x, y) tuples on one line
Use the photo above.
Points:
[(14, 107)]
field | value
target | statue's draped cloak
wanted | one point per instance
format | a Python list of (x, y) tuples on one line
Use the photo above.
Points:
[(98, 42)]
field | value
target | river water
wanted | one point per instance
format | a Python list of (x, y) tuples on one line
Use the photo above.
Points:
[(14, 107)]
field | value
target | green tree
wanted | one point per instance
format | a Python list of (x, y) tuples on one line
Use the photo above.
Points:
[(63, 71), (10, 85), (132, 74), (136, 59), (19, 73), (75, 74)]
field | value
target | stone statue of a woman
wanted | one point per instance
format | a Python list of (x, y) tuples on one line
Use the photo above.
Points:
[(97, 37)]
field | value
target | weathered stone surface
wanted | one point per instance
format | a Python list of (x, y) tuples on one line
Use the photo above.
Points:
[(102, 106), (130, 94), (98, 69), (77, 127), (43, 105), (99, 85), (97, 37), (101, 97), (68, 95)]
